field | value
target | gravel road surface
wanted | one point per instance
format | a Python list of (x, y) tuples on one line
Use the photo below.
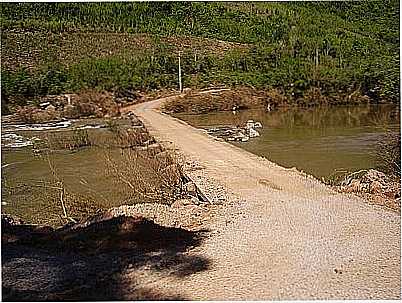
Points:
[(287, 236)]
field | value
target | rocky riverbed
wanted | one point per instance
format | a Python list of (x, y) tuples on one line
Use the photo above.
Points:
[(237, 133)]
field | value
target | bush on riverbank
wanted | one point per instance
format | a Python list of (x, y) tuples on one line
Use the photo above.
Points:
[(147, 72), (197, 102), (389, 154)]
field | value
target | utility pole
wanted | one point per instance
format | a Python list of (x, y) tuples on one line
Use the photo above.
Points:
[(180, 85)]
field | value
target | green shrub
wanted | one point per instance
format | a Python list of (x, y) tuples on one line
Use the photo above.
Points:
[(296, 47)]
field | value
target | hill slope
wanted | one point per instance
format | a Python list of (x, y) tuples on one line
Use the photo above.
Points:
[(297, 47)]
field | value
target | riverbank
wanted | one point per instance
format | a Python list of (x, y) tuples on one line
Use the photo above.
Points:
[(87, 103), (243, 97), (373, 186)]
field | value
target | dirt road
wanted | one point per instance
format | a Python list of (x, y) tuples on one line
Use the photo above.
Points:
[(290, 237)]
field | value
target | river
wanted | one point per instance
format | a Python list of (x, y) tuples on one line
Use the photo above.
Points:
[(320, 141), (30, 179)]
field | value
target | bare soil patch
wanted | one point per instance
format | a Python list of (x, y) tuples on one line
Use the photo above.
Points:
[(106, 258)]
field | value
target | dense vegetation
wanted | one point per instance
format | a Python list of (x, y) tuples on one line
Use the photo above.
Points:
[(338, 48)]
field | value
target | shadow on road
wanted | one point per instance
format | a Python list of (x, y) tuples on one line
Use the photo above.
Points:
[(108, 260)]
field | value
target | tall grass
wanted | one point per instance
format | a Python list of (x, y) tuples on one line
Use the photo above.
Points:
[(389, 154)]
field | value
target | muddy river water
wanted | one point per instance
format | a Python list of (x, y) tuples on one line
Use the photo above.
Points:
[(29, 184), (319, 141)]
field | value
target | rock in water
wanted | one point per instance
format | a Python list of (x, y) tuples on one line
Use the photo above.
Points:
[(245, 139), (375, 175), (249, 124), (43, 105), (253, 133)]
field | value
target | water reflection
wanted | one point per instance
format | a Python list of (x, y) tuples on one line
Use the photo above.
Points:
[(317, 140)]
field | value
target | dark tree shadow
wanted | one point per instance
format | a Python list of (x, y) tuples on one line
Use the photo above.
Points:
[(96, 261)]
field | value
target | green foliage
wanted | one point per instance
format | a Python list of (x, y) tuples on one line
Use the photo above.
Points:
[(23, 85), (337, 47), (143, 72)]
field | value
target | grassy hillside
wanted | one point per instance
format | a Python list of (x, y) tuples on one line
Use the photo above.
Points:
[(338, 48)]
